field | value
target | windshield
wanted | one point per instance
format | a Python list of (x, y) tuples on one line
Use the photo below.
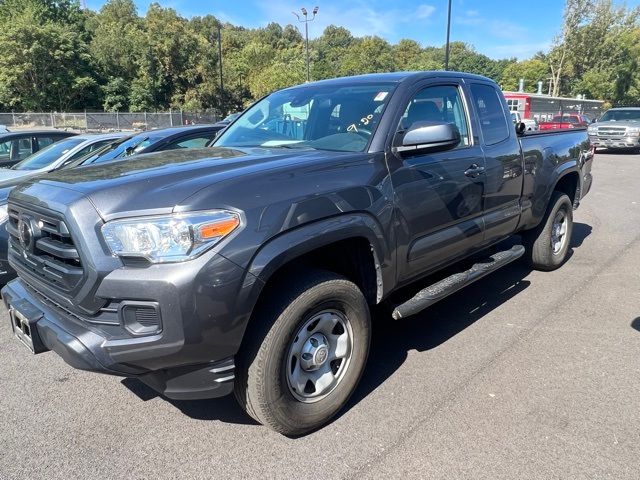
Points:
[(124, 148), (621, 116), (322, 117), (48, 155)]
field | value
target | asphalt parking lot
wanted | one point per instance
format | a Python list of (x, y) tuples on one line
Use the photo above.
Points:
[(523, 375)]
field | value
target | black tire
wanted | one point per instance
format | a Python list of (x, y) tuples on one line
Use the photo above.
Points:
[(538, 242), (261, 386)]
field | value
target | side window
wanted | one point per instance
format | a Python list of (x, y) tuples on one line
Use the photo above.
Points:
[(87, 150), (491, 116), (438, 104), (193, 142), (5, 150), (45, 142), (24, 148)]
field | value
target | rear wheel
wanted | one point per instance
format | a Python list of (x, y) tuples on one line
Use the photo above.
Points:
[(306, 354), (548, 244)]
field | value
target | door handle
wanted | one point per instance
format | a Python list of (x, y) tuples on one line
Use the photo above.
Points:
[(474, 170)]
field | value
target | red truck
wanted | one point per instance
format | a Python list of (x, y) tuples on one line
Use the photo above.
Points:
[(566, 121)]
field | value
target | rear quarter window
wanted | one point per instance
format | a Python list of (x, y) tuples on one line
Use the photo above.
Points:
[(491, 115)]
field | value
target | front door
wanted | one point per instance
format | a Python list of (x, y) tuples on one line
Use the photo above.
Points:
[(438, 195)]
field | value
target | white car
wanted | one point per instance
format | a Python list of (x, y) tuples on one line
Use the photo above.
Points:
[(57, 155), (530, 124)]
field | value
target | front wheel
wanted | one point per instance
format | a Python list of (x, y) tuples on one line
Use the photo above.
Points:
[(548, 244), (305, 353)]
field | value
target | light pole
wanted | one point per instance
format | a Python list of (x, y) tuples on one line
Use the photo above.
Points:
[(219, 39), (446, 52), (306, 21)]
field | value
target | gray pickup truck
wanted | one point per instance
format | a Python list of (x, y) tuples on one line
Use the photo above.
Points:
[(252, 266), (618, 128)]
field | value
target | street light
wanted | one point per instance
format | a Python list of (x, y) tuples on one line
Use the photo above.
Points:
[(306, 21), (446, 53)]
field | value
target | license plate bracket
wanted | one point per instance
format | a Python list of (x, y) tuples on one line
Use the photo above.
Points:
[(24, 317)]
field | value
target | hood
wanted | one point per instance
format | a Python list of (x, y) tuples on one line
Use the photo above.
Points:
[(157, 182)]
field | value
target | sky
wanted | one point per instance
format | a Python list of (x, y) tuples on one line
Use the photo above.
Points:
[(496, 28)]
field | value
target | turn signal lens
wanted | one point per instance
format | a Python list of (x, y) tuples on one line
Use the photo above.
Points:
[(218, 229)]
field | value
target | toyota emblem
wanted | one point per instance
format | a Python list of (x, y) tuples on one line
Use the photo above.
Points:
[(25, 233)]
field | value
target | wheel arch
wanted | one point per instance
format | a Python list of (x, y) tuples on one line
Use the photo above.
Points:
[(358, 239)]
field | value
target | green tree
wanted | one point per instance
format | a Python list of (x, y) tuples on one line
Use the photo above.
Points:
[(406, 55), (367, 55), (46, 64), (330, 49), (532, 71)]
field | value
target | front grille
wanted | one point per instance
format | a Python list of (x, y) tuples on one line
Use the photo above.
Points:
[(612, 132), (43, 245)]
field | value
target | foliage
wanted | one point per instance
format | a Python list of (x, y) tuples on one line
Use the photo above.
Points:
[(531, 71), (57, 56)]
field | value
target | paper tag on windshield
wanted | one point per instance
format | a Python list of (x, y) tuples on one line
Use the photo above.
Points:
[(380, 96)]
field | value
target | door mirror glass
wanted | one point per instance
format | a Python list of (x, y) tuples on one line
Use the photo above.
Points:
[(521, 127), (430, 136)]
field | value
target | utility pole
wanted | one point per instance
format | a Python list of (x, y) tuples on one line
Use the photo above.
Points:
[(306, 21), (446, 53)]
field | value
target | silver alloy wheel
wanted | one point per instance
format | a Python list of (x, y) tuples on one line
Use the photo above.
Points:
[(319, 355), (559, 231)]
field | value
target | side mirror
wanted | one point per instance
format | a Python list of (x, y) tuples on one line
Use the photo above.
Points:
[(521, 127), (429, 136), (595, 120)]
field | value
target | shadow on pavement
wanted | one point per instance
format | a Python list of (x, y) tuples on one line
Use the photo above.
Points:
[(224, 409), (580, 232), (393, 339), (636, 324)]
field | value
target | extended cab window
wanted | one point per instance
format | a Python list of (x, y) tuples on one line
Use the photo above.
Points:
[(493, 122), (438, 104)]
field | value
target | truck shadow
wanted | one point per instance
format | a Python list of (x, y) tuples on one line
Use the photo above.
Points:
[(636, 324), (392, 340)]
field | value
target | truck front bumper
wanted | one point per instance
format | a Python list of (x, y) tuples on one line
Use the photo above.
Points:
[(618, 142), (190, 354)]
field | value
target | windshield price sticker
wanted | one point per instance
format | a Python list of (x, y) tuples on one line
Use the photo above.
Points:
[(380, 96)]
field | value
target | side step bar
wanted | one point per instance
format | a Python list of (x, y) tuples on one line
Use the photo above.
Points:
[(436, 292)]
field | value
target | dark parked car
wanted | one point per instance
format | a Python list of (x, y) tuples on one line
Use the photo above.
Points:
[(116, 148), (16, 146), (55, 156), (228, 119), (155, 141), (252, 266)]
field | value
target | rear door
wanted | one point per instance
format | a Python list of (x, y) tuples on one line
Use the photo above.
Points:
[(438, 195), (503, 162)]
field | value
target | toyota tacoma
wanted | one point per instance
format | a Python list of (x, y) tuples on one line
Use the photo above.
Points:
[(252, 266)]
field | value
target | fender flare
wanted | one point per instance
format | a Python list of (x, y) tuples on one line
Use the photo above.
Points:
[(292, 244), (539, 206)]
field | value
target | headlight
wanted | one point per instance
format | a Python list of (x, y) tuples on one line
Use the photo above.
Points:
[(633, 130), (592, 130), (170, 238), (4, 215)]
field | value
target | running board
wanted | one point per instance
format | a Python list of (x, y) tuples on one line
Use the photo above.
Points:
[(436, 292)]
